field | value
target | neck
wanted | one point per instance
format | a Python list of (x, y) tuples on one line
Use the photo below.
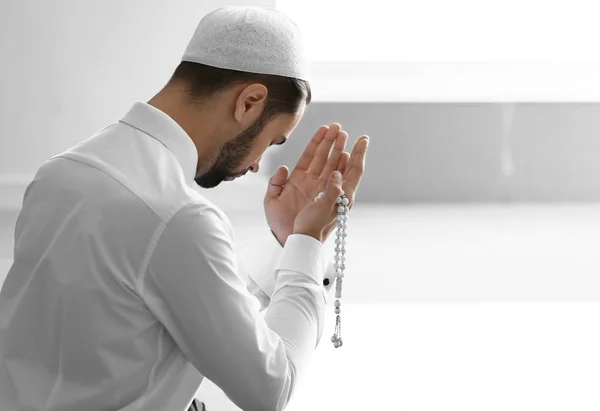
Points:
[(196, 119)]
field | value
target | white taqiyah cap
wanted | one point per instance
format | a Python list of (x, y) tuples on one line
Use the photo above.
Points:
[(250, 39)]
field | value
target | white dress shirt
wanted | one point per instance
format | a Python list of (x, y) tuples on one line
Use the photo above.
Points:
[(126, 288)]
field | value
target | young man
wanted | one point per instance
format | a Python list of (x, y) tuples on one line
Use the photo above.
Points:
[(126, 290)]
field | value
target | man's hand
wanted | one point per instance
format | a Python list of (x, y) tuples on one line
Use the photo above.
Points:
[(287, 194)]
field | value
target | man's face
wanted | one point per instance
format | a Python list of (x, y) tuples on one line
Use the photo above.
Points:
[(244, 152)]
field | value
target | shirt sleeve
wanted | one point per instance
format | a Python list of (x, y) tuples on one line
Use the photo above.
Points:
[(257, 263), (193, 287)]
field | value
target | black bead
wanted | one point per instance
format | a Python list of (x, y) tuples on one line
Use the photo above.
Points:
[(326, 281)]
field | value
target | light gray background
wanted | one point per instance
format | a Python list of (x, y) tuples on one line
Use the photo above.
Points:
[(440, 153)]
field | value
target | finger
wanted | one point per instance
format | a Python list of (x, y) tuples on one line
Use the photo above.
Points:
[(332, 190), (276, 182), (343, 163), (356, 166), (334, 158), (322, 153), (310, 150)]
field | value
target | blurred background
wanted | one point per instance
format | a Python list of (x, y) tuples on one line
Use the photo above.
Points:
[(473, 265)]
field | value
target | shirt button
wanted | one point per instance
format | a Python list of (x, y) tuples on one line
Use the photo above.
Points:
[(326, 281)]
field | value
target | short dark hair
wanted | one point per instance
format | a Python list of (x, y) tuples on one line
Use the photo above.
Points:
[(285, 94)]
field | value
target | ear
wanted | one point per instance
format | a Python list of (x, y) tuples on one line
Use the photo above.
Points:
[(250, 104)]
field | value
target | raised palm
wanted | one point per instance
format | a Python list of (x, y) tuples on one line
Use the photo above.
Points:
[(288, 193)]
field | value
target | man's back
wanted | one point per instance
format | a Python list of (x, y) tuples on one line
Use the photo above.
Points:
[(88, 219)]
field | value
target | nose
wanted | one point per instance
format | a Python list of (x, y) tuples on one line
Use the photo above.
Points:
[(255, 166)]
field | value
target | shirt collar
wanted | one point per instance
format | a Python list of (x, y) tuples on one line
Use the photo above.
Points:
[(163, 128)]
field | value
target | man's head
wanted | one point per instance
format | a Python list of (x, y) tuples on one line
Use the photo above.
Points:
[(240, 88), (251, 112)]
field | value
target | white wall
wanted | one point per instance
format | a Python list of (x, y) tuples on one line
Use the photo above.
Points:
[(70, 67)]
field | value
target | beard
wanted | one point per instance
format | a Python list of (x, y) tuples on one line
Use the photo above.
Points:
[(231, 156)]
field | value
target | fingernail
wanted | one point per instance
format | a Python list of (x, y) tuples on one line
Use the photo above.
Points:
[(337, 176)]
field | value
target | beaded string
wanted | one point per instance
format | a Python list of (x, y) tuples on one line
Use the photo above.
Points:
[(340, 262)]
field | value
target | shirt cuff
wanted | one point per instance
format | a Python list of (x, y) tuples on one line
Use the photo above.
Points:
[(302, 254), (330, 276)]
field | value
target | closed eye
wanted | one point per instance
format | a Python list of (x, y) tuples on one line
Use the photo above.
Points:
[(281, 142)]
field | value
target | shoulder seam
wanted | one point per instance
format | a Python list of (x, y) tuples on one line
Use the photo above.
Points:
[(153, 243), (156, 236)]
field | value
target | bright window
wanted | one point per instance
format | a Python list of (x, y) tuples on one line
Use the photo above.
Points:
[(452, 49)]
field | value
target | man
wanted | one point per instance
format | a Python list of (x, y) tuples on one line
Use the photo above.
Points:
[(126, 289)]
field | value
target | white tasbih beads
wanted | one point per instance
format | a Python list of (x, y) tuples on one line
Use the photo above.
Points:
[(340, 262)]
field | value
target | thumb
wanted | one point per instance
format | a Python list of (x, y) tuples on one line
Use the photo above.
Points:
[(334, 187), (276, 182)]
